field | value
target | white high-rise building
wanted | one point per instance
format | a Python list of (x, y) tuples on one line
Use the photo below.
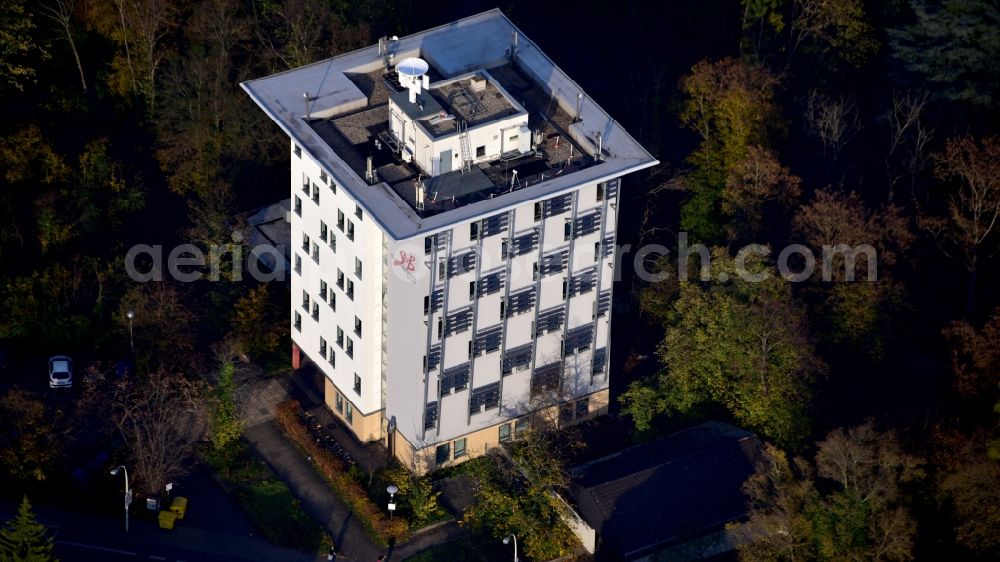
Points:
[(454, 205)]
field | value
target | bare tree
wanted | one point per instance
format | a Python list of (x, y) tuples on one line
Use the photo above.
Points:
[(61, 12), (149, 22), (834, 121), (161, 419), (909, 137), (973, 205)]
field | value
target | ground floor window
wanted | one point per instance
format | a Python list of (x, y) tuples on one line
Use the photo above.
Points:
[(460, 447), (582, 408), (443, 453), (340, 403), (350, 413), (505, 433)]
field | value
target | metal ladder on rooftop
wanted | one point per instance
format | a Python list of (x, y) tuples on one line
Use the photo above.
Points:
[(463, 141)]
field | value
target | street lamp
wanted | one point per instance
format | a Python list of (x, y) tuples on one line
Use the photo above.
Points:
[(128, 491), (506, 540), (131, 341), (392, 489)]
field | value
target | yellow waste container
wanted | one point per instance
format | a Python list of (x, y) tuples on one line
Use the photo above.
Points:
[(167, 519), (179, 506)]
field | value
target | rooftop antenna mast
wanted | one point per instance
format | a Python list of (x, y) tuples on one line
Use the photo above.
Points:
[(305, 96), (579, 106)]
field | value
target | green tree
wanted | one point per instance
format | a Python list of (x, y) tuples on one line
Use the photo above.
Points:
[(226, 425), (729, 104), (739, 344), (30, 441), (515, 494), (17, 44), (256, 321), (24, 539), (953, 48), (416, 494)]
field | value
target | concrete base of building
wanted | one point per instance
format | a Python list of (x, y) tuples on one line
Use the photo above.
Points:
[(424, 459)]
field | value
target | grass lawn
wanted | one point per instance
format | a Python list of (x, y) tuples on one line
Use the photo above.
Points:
[(266, 499), (470, 547)]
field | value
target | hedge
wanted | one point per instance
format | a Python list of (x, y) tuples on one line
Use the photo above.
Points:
[(381, 528)]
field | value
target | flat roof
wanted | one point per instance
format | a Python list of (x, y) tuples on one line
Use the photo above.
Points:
[(479, 42)]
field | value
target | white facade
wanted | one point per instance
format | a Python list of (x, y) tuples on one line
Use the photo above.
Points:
[(438, 328)]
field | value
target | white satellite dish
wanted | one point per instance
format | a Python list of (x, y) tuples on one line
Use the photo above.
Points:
[(412, 74), (412, 66)]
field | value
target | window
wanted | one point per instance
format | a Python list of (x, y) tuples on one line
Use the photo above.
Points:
[(428, 244), (443, 453), (315, 313), (305, 242), (357, 268), (332, 300), (340, 220), (538, 211), (333, 187), (350, 289), (333, 242), (340, 279), (298, 321), (600, 191), (298, 151), (472, 290), (298, 263), (565, 413), (350, 230), (349, 416), (315, 252), (520, 426), (474, 231), (440, 327), (534, 271), (315, 194), (427, 304), (597, 251), (305, 299), (470, 349), (460, 447), (567, 230), (305, 184), (582, 408), (504, 249), (350, 347), (298, 205), (503, 307), (565, 288), (480, 151), (441, 270), (322, 231), (322, 348), (322, 290), (357, 384), (333, 358), (323, 177), (505, 433), (358, 212), (340, 403), (340, 337), (357, 326), (512, 139)]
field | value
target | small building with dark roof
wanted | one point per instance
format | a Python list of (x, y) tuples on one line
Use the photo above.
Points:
[(670, 498)]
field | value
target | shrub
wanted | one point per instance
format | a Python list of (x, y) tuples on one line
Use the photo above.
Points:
[(381, 528)]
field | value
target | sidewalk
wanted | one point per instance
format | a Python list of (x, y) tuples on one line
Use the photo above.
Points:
[(306, 484), (269, 442)]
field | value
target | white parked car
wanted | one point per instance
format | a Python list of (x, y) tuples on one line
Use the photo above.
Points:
[(60, 371)]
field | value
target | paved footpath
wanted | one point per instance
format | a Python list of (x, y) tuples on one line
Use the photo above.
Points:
[(319, 501)]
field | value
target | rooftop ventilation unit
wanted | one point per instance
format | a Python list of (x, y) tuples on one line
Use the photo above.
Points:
[(413, 76)]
